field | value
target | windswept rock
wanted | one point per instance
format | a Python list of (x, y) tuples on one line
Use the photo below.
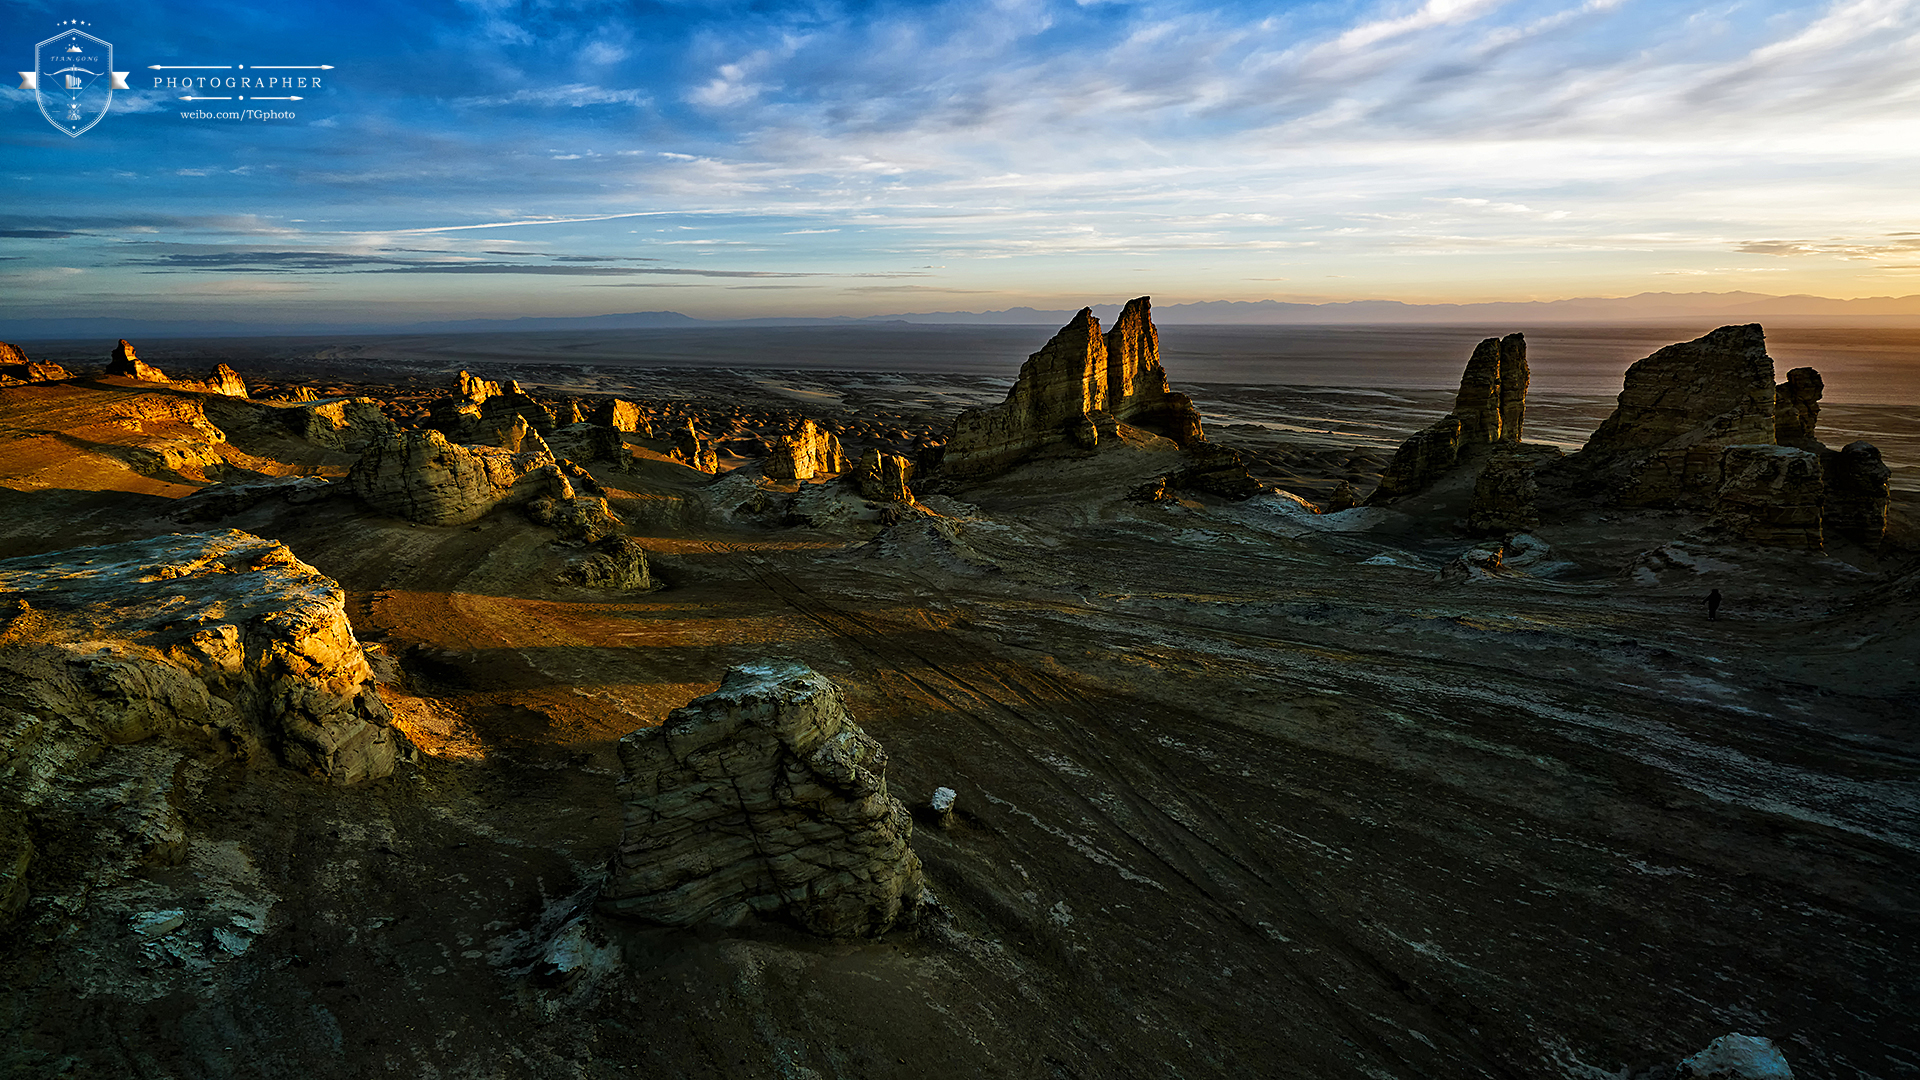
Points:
[(1505, 495), (617, 562), (578, 517), (617, 414), (1490, 408), (763, 798), (1770, 495), (16, 369), (217, 501), (1796, 409), (126, 364), (693, 450), (420, 476), (485, 412), (1679, 410), (346, 424), (225, 381), (472, 388), (1736, 1057), (883, 477), (803, 452), (1858, 490), (1077, 383), (182, 636), (590, 442)]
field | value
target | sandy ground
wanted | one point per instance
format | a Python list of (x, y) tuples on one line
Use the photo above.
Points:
[(1243, 791)]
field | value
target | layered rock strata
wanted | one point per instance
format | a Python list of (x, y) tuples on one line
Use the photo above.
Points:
[(420, 476), (1770, 495), (884, 477), (803, 452), (763, 799), (1489, 408), (617, 414), (225, 381), (579, 516), (221, 636), (127, 364), (1077, 381)]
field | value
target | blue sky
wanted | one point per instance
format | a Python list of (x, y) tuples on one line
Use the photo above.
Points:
[(496, 158)]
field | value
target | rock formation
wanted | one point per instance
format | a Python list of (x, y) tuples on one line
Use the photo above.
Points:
[(1858, 492), (1506, 493), (420, 476), (348, 424), (1796, 409), (1489, 408), (126, 364), (590, 442), (217, 501), (883, 477), (483, 412), (1736, 1057), (1077, 381), (16, 369), (225, 381), (1702, 426), (693, 450), (220, 636), (617, 414), (617, 563), (803, 452), (578, 516), (763, 798)]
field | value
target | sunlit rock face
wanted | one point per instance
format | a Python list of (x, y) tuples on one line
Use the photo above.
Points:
[(222, 636), (15, 368), (883, 477), (1490, 408), (1078, 382), (694, 450), (348, 424), (481, 411), (420, 476), (804, 452), (763, 798)]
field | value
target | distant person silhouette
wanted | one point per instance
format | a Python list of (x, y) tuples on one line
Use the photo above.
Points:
[(1713, 604)]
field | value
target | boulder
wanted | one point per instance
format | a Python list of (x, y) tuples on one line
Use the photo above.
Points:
[(216, 636), (1215, 470), (1736, 1057), (1771, 496), (124, 363), (1796, 409), (763, 798), (420, 476), (804, 451), (883, 477), (1858, 491), (1345, 497), (617, 563), (1066, 391)]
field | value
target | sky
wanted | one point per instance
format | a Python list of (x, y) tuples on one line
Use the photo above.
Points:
[(492, 158)]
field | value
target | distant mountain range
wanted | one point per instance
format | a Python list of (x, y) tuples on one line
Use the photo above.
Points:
[(1728, 307)]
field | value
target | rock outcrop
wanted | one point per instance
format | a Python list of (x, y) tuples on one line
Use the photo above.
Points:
[(217, 501), (579, 516), (590, 442), (1677, 413), (127, 364), (694, 450), (763, 798), (225, 381), (1770, 495), (1489, 408), (420, 476), (481, 411), (617, 563), (16, 369), (1736, 1057), (884, 477), (1066, 391), (346, 424), (1858, 492), (1796, 409), (1506, 494), (804, 451), (617, 414), (220, 637)]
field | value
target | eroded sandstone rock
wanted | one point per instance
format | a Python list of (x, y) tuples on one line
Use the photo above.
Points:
[(884, 477), (1796, 409), (617, 414), (1066, 391), (763, 798), (127, 364), (1770, 495), (617, 562), (347, 424), (1423, 458), (420, 476), (694, 450), (578, 516), (590, 442), (804, 451), (16, 369), (225, 381), (1490, 407), (1505, 495), (481, 411), (220, 635), (1858, 491)]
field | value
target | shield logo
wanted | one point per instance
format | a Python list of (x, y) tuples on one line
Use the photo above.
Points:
[(73, 80)]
